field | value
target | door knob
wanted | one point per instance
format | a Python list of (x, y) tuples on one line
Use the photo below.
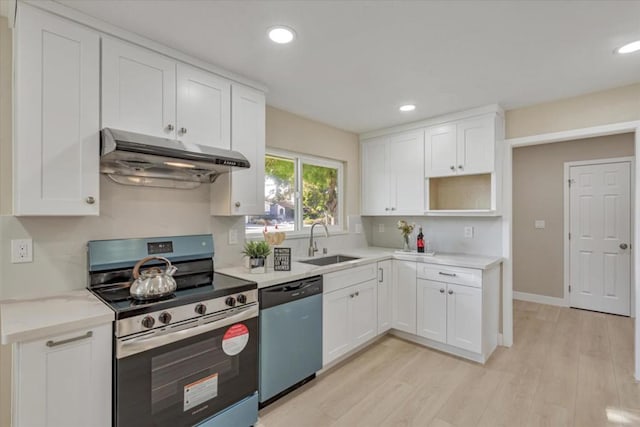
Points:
[(237, 204), (90, 200), (623, 246), (450, 292), (453, 168), (442, 291)]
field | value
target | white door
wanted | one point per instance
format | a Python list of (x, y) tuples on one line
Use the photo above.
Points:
[(404, 296), (375, 182), (405, 157), (138, 90), (336, 337), (204, 108), (476, 145), (432, 310), (384, 296), (440, 151), (364, 312), (599, 212), (56, 152), (464, 317)]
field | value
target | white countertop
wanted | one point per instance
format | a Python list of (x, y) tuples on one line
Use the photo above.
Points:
[(37, 318), (367, 255)]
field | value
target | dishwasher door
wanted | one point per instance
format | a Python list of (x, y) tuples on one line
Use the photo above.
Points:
[(290, 344)]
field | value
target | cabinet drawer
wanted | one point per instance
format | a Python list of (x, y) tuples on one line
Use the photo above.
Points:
[(351, 276), (449, 274)]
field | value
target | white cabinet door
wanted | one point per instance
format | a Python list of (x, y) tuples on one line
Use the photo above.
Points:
[(375, 178), (364, 312), (204, 108), (404, 296), (432, 310), (464, 317), (440, 151), (138, 90), (406, 177), (476, 145), (336, 337), (56, 160), (385, 297), (64, 384), (241, 192)]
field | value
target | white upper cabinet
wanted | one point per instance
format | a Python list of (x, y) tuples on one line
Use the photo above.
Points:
[(393, 175), (56, 135), (204, 116), (461, 148), (138, 90), (242, 191)]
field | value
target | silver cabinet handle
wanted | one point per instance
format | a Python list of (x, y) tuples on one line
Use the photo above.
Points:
[(450, 291), (381, 275), (460, 167), (183, 130), (237, 204), (623, 246), (453, 168), (51, 343), (170, 127), (90, 200), (447, 274), (442, 291)]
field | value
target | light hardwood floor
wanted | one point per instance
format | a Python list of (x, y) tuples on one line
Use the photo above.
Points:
[(567, 367)]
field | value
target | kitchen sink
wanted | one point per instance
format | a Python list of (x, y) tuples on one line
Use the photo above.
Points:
[(328, 260)]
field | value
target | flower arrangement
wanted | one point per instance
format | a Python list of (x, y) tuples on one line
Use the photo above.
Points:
[(405, 229)]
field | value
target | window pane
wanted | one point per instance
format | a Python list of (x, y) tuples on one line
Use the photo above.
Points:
[(319, 194), (279, 196)]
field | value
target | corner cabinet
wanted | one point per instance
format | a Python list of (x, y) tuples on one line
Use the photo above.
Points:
[(241, 192), (393, 174), (56, 134), (64, 380)]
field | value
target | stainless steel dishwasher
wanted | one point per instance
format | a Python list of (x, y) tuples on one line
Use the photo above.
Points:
[(290, 337)]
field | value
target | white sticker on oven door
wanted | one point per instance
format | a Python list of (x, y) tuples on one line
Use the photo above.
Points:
[(235, 339), (200, 391)]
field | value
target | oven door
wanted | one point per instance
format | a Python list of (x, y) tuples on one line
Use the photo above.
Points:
[(181, 378)]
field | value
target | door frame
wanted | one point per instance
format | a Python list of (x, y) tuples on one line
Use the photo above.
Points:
[(567, 220), (507, 216)]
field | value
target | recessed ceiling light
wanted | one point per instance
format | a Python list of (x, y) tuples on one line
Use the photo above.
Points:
[(281, 35), (408, 107), (630, 47)]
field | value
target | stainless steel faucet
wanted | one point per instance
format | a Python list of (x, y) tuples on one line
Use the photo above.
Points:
[(313, 246)]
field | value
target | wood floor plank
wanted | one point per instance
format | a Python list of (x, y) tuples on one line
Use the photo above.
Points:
[(597, 394)]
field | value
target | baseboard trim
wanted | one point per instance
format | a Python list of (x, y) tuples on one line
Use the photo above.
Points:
[(540, 299)]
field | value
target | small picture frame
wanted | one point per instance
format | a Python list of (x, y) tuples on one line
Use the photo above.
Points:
[(281, 259)]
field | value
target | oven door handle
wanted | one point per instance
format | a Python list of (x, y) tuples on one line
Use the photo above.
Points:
[(127, 347)]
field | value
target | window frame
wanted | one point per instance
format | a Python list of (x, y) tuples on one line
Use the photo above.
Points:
[(300, 159)]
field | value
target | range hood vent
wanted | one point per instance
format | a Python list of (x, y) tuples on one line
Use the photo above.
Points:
[(136, 159)]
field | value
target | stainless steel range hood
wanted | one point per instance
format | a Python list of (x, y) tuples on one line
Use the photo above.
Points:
[(136, 159)]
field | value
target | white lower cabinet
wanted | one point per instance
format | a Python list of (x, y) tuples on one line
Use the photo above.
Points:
[(64, 380), (349, 319), (385, 296), (404, 296), (432, 310)]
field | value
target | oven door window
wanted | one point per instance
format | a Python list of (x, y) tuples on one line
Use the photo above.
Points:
[(182, 383)]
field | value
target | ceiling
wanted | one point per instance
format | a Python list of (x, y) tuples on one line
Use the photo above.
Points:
[(354, 63)]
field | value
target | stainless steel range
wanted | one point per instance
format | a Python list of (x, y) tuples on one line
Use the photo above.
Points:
[(187, 358)]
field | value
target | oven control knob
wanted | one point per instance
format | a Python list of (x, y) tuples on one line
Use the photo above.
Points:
[(242, 299), (165, 317), (148, 322), (201, 309), (231, 301)]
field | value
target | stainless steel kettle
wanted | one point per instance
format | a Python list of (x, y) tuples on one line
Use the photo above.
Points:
[(154, 282)]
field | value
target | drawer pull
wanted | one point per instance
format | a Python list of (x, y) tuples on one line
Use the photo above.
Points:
[(51, 343), (442, 291), (447, 274), (450, 292)]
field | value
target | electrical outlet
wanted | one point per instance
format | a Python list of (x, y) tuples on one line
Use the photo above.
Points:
[(539, 223), (233, 236), (380, 228), (468, 232), (21, 251)]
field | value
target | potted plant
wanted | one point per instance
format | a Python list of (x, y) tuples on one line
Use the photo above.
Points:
[(257, 252)]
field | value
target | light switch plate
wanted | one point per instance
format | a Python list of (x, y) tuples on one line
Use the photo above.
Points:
[(468, 232), (380, 228), (233, 236), (539, 223), (21, 251)]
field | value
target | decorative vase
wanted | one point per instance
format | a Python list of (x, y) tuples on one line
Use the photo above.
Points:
[(257, 265), (406, 247)]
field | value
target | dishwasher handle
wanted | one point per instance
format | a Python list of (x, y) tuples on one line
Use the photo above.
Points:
[(289, 292)]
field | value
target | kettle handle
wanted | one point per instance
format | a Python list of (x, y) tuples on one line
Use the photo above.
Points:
[(136, 269)]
